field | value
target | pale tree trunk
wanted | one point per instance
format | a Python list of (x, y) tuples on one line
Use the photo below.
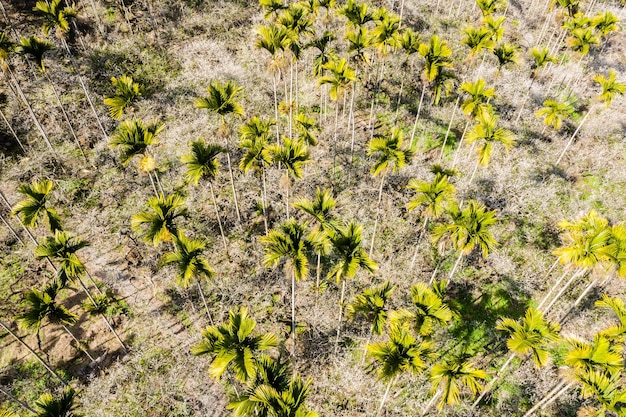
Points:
[(382, 401), (232, 178), (335, 138), (571, 140), (276, 109), (264, 202), (206, 306), (563, 289), (219, 219), (353, 134), (417, 242), (458, 149), (6, 223), (343, 292), (417, 116), (29, 107), (445, 139), (372, 125), (15, 400), (493, 381), (32, 352), (431, 402), (550, 397), (456, 265), (287, 194), (589, 287), (293, 317), (78, 345), (98, 21), (156, 193), (432, 277), (558, 281), (380, 197), (4, 119)]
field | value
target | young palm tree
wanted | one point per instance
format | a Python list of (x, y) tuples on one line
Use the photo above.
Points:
[(292, 155), (290, 243), (202, 164), (234, 346), (488, 133), (489, 7), (41, 305), (32, 352), (222, 100), (478, 39), (495, 26), (62, 406), (371, 304), (615, 332), (507, 54), (429, 311), (348, 248), (582, 39), (554, 111), (320, 211), (433, 198), (449, 377), (288, 403), (159, 224), (541, 57), (401, 353), (34, 206), (60, 18), (190, 264), (611, 88), (390, 157), (357, 14), (133, 137), (126, 92), (469, 228), (531, 335)]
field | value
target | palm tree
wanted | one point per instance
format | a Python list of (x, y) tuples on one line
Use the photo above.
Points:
[(390, 157), (479, 97), (292, 155), (606, 389), (371, 304), (581, 40), (348, 248), (159, 224), (506, 53), (436, 56), (272, 7), (488, 133), (530, 335), (34, 206), (319, 210), (488, 7), (290, 243), (433, 198), (32, 352), (202, 164), (233, 346), (469, 228), (133, 137), (222, 100), (554, 111), (288, 403), (126, 91), (605, 23), (35, 48), (401, 353), (41, 305), (541, 57), (60, 18), (610, 89), (429, 311), (190, 264), (62, 406), (63, 247), (495, 26), (478, 39), (254, 141), (449, 377), (356, 13), (616, 332)]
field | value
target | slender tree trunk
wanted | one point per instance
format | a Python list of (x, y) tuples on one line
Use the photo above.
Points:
[(547, 398), (290, 100), (93, 282), (206, 306), (156, 193), (432, 277), (265, 212), (219, 218), (32, 352), (352, 120), (15, 400), (469, 183), (78, 344), (158, 182), (579, 299), (84, 87), (29, 107), (456, 265), (493, 381), (287, 194), (17, 139), (545, 278), (318, 271), (6, 223), (276, 109), (571, 140), (458, 149), (417, 243), (380, 197), (343, 292), (293, 317), (445, 139), (563, 289), (335, 138), (431, 402), (417, 116), (382, 401), (232, 178)]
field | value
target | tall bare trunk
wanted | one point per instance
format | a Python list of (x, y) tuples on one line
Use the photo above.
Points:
[(380, 197)]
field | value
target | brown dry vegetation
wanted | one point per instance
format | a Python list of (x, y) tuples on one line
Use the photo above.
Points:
[(196, 42)]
